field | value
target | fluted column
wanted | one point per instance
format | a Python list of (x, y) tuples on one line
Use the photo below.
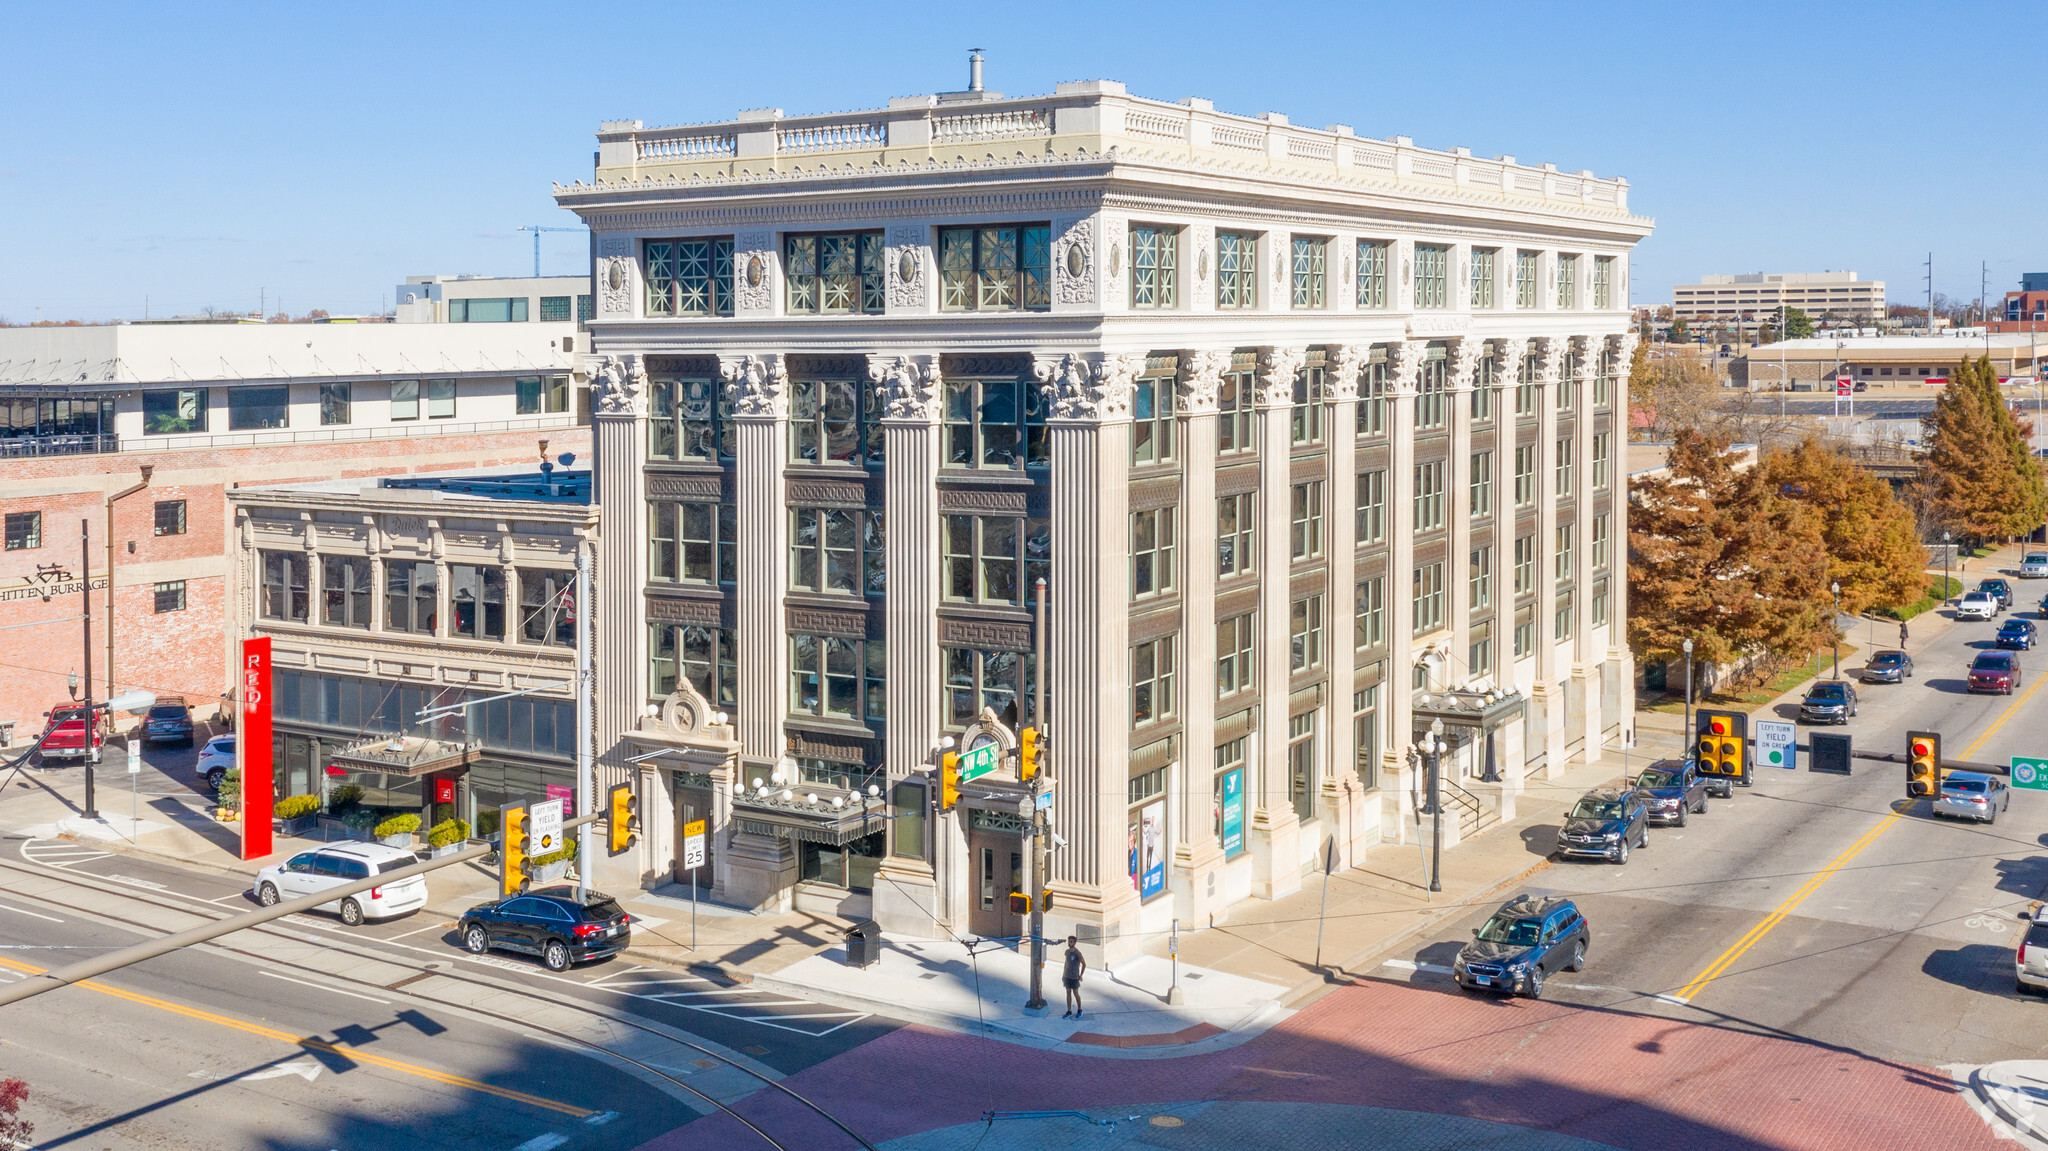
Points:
[(1547, 694), (1355, 825), (1620, 658), (1462, 369), (1510, 749), (1272, 837), (759, 386), (1398, 704), (1196, 854), (1585, 658), (618, 413)]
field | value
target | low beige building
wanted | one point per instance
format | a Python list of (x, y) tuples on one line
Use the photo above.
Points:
[(1755, 295), (1879, 361)]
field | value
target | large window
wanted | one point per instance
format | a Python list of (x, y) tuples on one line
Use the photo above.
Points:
[(1525, 630), (1525, 385), (440, 399), (259, 408), (1372, 507), (1525, 278), (1372, 393), (689, 420), (411, 596), (1000, 269), (1479, 578), (1306, 424), (547, 607), (1563, 621), (1235, 410), (1567, 281), (1566, 451), (830, 677), (1305, 633), (832, 421), (1369, 629), (1001, 681), (1152, 420), (405, 399), (1525, 475), (1236, 654), (1154, 267), (996, 559), (170, 518), (1429, 496), (1236, 534), (1482, 276), (837, 550), (535, 395), (1482, 484), (1237, 270), (1152, 546), (346, 593), (334, 405), (1301, 764), (1479, 649), (1311, 257), (500, 310), (1432, 399), (476, 601), (169, 596), (174, 411), (1599, 607), (692, 542), (1564, 553), (284, 583), (1372, 273), (994, 424), (1603, 378), (407, 395), (1482, 386), (1151, 680), (1603, 281), (1603, 443), (702, 654), (1599, 557), (1568, 378), (1229, 763), (1432, 276), (1428, 596), (690, 277), (1525, 564), (835, 274), (1365, 734), (554, 309), (1305, 520)]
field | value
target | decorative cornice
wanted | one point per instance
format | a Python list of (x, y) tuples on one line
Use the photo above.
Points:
[(1201, 378), (1340, 382), (1089, 388), (1278, 367), (758, 385), (907, 386)]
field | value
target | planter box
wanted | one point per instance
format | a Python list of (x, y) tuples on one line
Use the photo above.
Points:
[(294, 827), (550, 873), (451, 849), (402, 840)]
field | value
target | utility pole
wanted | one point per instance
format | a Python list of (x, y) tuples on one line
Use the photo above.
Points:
[(586, 782), (1041, 822), (1930, 293), (92, 810)]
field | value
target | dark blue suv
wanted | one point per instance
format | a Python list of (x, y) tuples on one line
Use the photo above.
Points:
[(1675, 789), (169, 721), (551, 924), (1528, 938)]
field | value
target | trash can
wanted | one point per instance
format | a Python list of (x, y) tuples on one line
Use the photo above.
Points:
[(863, 943)]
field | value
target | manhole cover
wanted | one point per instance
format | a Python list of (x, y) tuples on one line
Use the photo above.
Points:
[(1167, 1121), (755, 1050)]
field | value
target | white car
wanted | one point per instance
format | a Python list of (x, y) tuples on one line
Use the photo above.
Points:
[(312, 871), (1977, 605), (2034, 566), (216, 759)]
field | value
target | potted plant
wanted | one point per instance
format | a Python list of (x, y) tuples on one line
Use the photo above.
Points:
[(295, 814), (359, 824), (447, 837), (552, 867), (227, 798), (398, 830)]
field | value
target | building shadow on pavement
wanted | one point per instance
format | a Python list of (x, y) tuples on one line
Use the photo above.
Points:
[(1541, 839), (2024, 877), (1985, 967)]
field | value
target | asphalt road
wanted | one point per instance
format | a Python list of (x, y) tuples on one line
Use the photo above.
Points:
[(1826, 907)]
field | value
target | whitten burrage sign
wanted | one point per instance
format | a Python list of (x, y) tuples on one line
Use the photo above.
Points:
[(252, 748)]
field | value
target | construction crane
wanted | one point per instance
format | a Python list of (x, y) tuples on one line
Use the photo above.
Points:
[(536, 229)]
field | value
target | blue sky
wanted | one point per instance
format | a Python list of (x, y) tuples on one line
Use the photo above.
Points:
[(197, 154)]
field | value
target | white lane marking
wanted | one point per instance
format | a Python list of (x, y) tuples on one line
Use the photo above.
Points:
[(614, 984), (324, 987), (30, 914), (779, 1015), (601, 1118), (1410, 965), (1678, 1000), (419, 930), (134, 882), (545, 1142), (671, 996), (306, 1069)]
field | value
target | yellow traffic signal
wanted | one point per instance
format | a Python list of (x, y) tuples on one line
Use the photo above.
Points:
[(1020, 903), (949, 780), (1723, 744), (1923, 763), (512, 844), (625, 817), (1028, 752)]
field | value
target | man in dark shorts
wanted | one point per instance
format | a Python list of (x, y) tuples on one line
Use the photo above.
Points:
[(1071, 977)]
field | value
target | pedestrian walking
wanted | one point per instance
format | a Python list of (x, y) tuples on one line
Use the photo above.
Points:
[(1071, 977), (1902, 635)]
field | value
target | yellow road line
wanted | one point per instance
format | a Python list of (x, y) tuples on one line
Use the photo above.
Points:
[(313, 1044), (1755, 934)]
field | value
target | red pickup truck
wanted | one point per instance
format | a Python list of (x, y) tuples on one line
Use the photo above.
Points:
[(66, 734)]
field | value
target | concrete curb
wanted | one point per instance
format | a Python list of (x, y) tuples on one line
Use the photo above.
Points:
[(1989, 1092)]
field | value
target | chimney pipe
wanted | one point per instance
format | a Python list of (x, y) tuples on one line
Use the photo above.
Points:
[(974, 69)]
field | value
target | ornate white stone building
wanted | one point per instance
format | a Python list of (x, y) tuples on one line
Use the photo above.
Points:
[(1242, 392)]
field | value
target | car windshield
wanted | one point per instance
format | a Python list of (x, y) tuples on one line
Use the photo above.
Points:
[(1658, 777), (1977, 597), (604, 909), (2037, 934), (2036, 558), (1989, 662), (1971, 785), (1888, 659), (1597, 809), (1519, 932), (167, 711), (1828, 691)]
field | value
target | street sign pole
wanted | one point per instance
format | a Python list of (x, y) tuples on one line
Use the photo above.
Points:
[(1041, 818), (693, 858), (134, 779)]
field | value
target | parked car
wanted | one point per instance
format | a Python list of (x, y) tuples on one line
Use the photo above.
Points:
[(1995, 671), (2034, 566), (216, 759), (1972, 795), (65, 735), (1526, 940), (1829, 701), (168, 721), (1604, 823), (1674, 789), (551, 924), (1998, 589), (1979, 605), (324, 867), (1888, 667), (2030, 958), (2017, 634)]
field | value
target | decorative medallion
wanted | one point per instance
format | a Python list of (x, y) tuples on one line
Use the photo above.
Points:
[(906, 267), (755, 273), (1202, 264), (1077, 261), (1116, 253), (617, 277)]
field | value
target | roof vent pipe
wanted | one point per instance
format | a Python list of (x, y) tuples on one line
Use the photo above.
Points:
[(974, 69)]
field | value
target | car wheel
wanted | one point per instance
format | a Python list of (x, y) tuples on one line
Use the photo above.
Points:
[(214, 777), (1536, 982), (1702, 808), (555, 956), (476, 940), (351, 913), (1680, 821), (266, 894), (1578, 959), (1621, 856)]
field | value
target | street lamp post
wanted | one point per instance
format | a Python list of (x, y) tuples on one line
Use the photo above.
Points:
[(1433, 743), (1947, 553), (1835, 590), (1041, 821), (1685, 737)]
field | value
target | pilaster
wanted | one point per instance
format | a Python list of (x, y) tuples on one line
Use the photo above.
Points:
[(1343, 794), (1585, 721), (1461, 371), (759, 387), (1398, 702), (1548, 695), (1196, 854), (618, 414), (1620, 658), (1273, 834)]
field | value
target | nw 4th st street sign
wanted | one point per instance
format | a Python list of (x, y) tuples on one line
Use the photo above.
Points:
[(976, 762), (2030, 774)]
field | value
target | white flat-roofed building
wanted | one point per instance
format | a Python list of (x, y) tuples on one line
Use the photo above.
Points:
[(1755, 296), (1245, 393), (492, 300)]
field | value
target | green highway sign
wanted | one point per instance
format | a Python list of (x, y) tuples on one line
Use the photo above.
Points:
[(976, 762), (2029, 774)]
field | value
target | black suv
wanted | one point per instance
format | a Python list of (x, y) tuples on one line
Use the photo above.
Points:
[(169, 721), (550, 924), (1528, 938), (1604, 823), (1829, 701), (1997, 589), (1674, 789)]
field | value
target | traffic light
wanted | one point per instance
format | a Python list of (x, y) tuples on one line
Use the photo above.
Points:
[(949, 780), (1028, 751), (1020, 903), (625, 817), (512, 845), (1923, 763), (1724, 744)]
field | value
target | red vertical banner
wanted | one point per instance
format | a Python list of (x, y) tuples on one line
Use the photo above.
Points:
[(252, 748)]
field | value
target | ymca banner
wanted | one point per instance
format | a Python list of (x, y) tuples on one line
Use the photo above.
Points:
[(252, 748)]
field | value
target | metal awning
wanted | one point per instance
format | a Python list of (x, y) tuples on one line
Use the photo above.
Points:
[(837, 831), (1466, 707), (409, 755)]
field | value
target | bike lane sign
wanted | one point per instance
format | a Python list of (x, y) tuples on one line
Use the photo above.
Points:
[(2029, 773)]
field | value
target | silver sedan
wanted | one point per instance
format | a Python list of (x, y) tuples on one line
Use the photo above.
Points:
[(1972, 795)]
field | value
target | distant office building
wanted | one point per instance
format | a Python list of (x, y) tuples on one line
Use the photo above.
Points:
[(1803, 365), (1755, 296), (2027, 309), (493, 299)]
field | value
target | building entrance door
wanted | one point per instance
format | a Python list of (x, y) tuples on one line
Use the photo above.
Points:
[(995, 870), (692, 805)]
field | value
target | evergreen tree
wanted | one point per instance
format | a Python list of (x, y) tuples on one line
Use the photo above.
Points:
[(1981, 481), (1873, 549)]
